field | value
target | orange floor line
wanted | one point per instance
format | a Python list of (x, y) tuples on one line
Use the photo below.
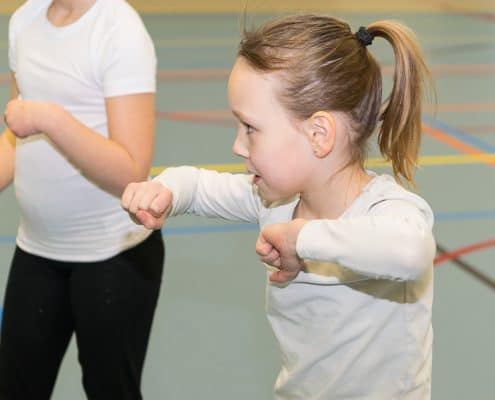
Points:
[(453, 142)]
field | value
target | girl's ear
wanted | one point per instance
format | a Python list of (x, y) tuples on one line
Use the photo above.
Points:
[(320, 129)]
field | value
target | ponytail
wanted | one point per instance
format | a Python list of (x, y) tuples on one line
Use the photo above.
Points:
[(399, 135)]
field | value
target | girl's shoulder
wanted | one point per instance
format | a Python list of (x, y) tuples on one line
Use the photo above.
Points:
[(384, 186), (384, 190)]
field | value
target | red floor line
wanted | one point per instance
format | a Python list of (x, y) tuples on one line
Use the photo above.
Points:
[(454, 255), (453, 69), (223, 73), (217, 117), (469, 269), (461, 107), (461, 251), (486, 16), (436, 69), (200, 73), (224, 117)]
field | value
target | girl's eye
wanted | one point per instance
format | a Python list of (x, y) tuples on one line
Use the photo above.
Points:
[(249, 128)]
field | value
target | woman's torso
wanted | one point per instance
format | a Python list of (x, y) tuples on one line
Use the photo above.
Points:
[(64, 215)]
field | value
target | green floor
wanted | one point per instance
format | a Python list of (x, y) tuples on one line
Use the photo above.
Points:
[(210, 338)]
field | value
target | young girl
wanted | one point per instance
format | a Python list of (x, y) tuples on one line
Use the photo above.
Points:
[(351, 295), (80, 127)]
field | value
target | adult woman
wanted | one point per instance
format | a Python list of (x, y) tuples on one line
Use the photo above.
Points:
[(82, 108)]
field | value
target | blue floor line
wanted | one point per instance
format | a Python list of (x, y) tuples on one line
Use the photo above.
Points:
[(243, 227), (463, 137)]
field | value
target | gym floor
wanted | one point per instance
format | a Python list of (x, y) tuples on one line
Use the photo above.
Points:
[(210, 338)]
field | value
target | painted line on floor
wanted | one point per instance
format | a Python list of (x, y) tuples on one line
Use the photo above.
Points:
[(225, 118), (473, 142), (423, 161), (467, 12), (477, 129), (469, 145), (165, 75), (464, 215), (461, 251), (450, 139), (459, 107), (453, 256), (239, 227)]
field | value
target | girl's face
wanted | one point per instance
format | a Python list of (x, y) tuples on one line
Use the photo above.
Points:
[(274, 146)]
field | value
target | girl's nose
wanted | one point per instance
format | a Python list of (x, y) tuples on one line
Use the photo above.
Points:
[(240, 146)]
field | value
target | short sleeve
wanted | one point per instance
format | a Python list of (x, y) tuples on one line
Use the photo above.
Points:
[(13, 32), (128, 59), (21, 17)]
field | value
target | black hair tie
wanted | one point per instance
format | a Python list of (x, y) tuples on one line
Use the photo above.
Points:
[(364, 36)]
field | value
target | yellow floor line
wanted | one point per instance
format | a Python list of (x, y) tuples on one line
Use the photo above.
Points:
[(254, 6), (424, 161)]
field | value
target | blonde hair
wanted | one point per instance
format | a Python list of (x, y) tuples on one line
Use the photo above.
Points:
[(325, 66)]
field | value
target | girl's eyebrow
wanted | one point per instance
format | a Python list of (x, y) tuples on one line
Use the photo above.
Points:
[(237, 114), (240, 116)]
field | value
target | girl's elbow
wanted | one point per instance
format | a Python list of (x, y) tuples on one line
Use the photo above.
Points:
[(418, 255)]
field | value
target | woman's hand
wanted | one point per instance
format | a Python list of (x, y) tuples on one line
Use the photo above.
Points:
[(276, 246), (24, 117)]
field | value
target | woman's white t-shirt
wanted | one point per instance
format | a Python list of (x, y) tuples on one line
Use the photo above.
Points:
[(105, 53)]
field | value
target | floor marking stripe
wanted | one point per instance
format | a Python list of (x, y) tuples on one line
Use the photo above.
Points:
[(223, 73), (453, 256), (424, 161)]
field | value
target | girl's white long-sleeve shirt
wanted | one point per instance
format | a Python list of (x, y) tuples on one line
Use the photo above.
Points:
[(360, 329)]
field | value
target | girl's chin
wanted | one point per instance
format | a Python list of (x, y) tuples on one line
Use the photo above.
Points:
[(261, 192), (271, 199)]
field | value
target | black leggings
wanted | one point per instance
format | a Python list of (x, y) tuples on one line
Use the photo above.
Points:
[(108, 304)]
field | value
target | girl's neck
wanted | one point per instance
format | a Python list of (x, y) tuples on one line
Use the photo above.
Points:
[(330, 199)]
